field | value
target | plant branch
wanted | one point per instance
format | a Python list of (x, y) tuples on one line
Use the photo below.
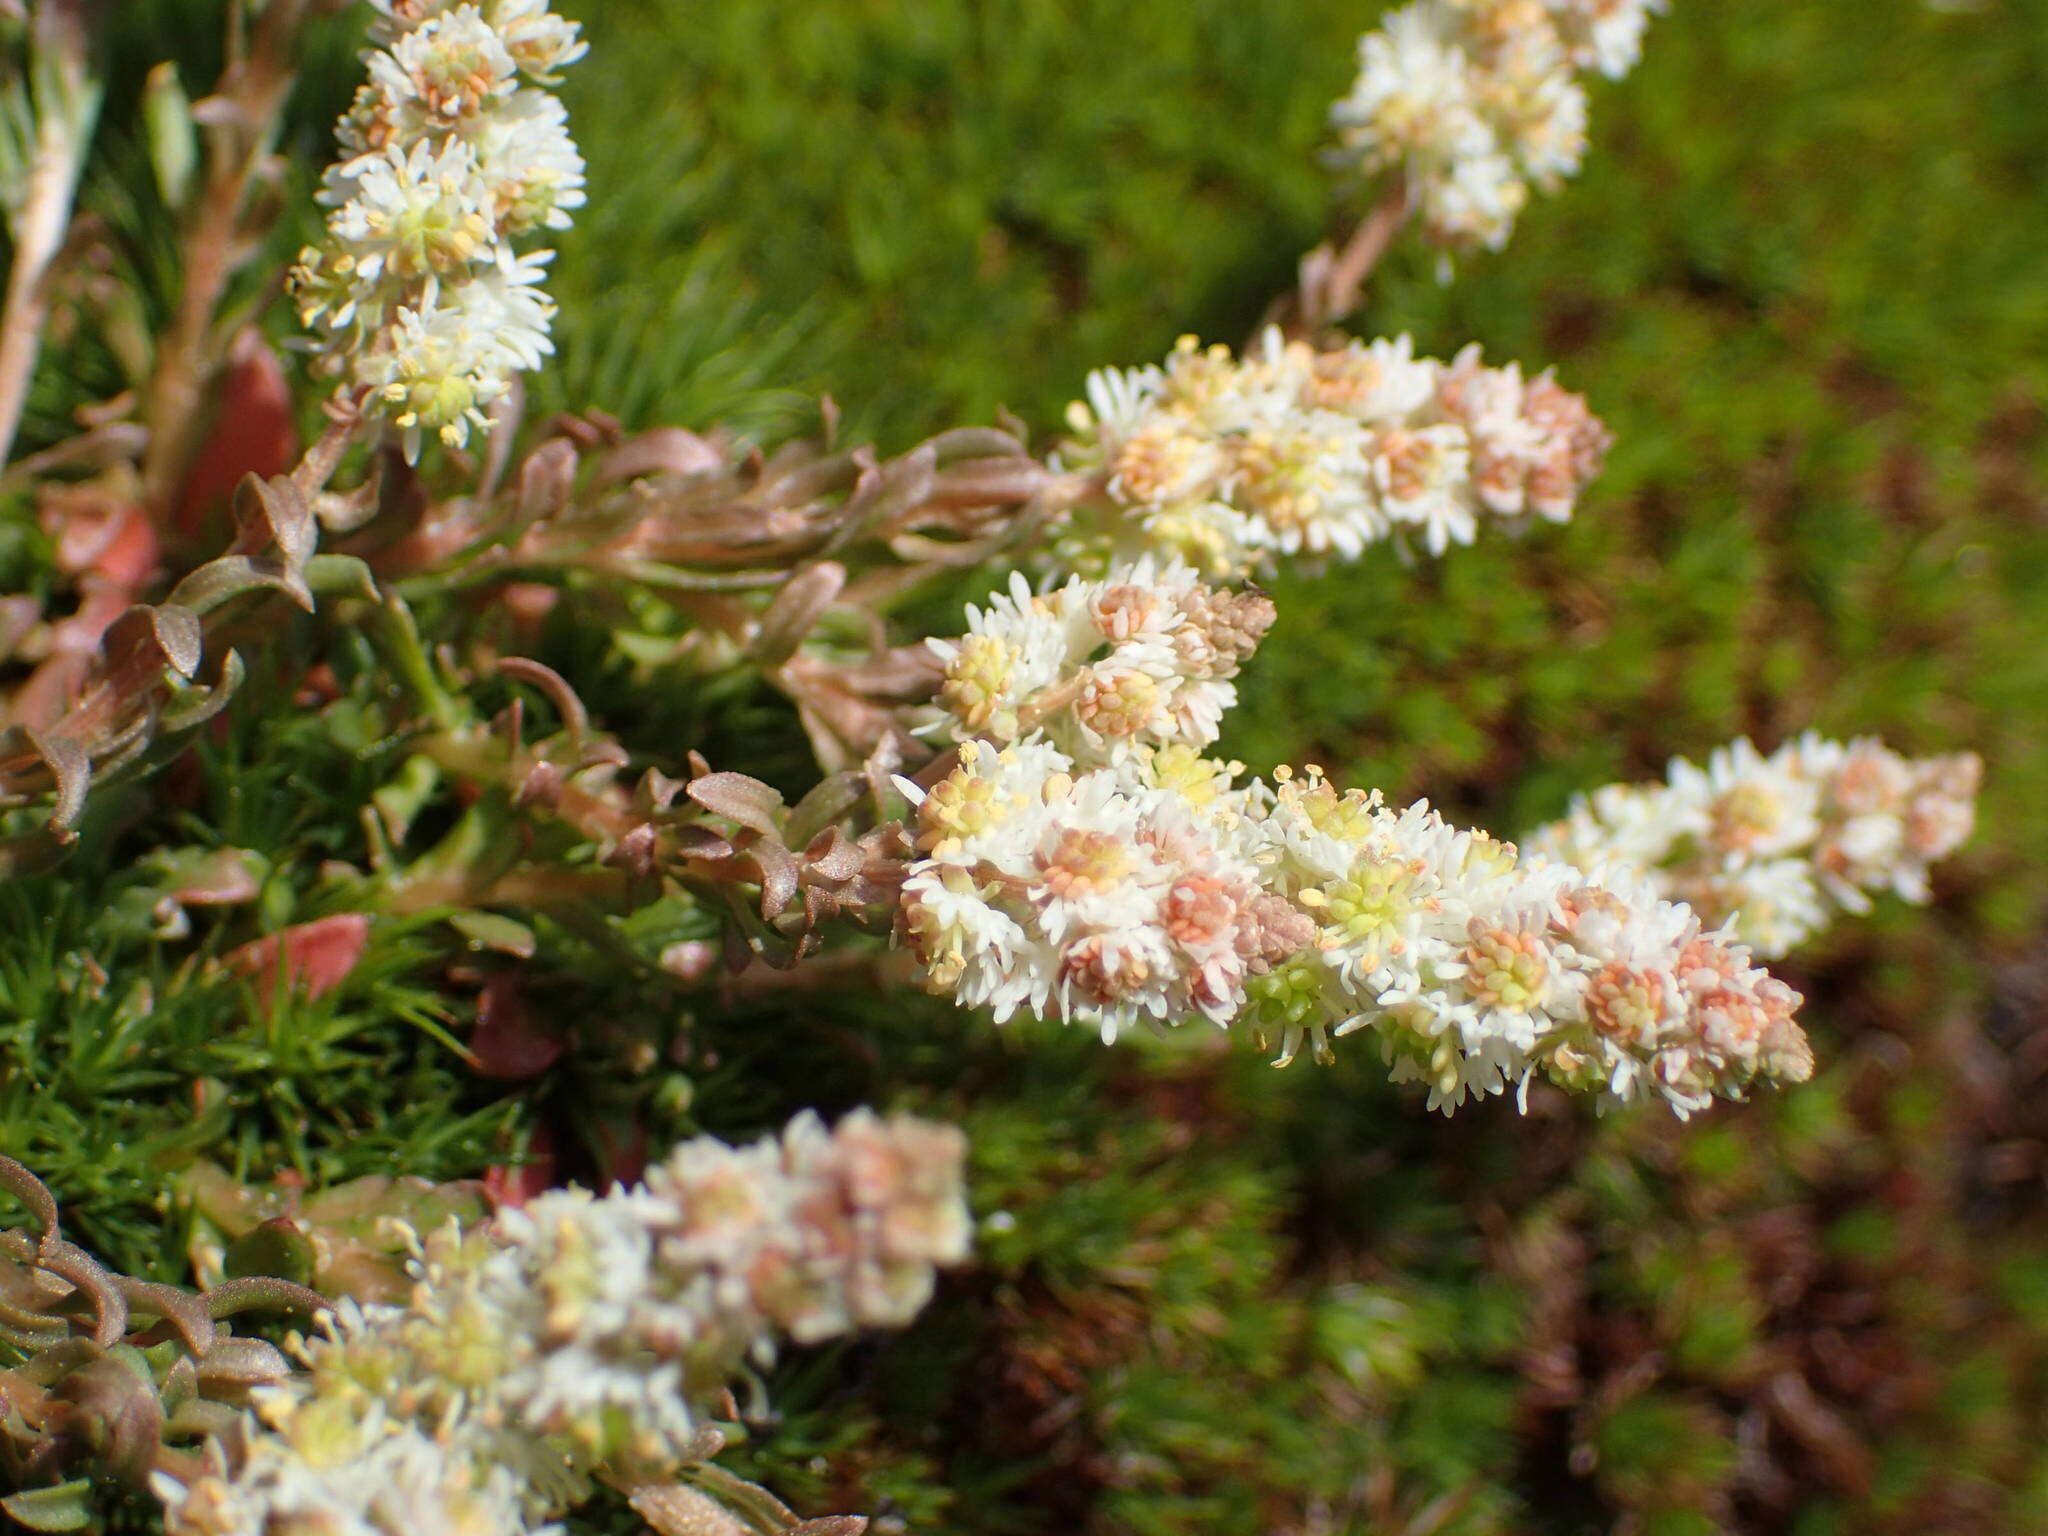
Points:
[(241, 117), (66, 102), (1333, 279)]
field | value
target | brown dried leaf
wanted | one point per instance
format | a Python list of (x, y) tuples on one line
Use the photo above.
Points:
[(832, 857), (177, 636), (71, 768), (738, 798), (547, 481), (778, 877), (662, 451), (33, 1193), (695, 842), (219, 581), (901, 485), (233, 1365), (254, 1293), (677, 1510), (181, 1309), (802, 602), (634, 851), (275, 512)]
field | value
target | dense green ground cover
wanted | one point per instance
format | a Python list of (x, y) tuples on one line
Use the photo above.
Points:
[(1802, 278)]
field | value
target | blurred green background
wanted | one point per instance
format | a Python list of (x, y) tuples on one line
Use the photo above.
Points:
[(1804, 277)]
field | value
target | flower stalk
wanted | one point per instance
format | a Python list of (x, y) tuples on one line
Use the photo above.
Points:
[(54, 119)]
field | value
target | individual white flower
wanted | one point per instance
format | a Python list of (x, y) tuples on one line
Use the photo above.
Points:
[(1775, 904), (411, 215), (1307, 481), (529, 167), (1474, 200), (542, 43), (1370, 382), (1606, 35), (1118, 401), (402, 16), (450, 67), (435, 370), (1413, 99), (1537, 109), (1423, 475)]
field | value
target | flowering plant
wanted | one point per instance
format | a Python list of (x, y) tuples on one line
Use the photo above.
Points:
[(1023, 813)]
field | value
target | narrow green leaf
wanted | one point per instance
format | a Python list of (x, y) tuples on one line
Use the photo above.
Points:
[(173, 142), (65, 1507)]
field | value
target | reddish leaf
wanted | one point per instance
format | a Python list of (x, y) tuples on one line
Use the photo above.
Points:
[(314, 958), (252, 434), (508, 1186), (507, 1043)]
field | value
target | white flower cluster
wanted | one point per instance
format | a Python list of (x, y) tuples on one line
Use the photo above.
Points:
[(1480, 968), (1141, 660), (1231, 463), (320, 1473), (1472, 102), (1102, 895), (1143, 887), (1776, 846), (451, 152), (587, 1333)]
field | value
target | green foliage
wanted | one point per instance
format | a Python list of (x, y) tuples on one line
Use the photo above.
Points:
[(1801, 278)]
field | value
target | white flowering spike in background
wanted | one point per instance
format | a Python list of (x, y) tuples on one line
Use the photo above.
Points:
[(1473, 102), (1295, 454), (589, 1333), (1776, 846), (453, 150)]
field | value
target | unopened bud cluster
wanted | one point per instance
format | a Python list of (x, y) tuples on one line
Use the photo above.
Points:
[(451, 152), (586, 1333), (1776, 846), (1232, 464), (1146, 887), (1473, 102)]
